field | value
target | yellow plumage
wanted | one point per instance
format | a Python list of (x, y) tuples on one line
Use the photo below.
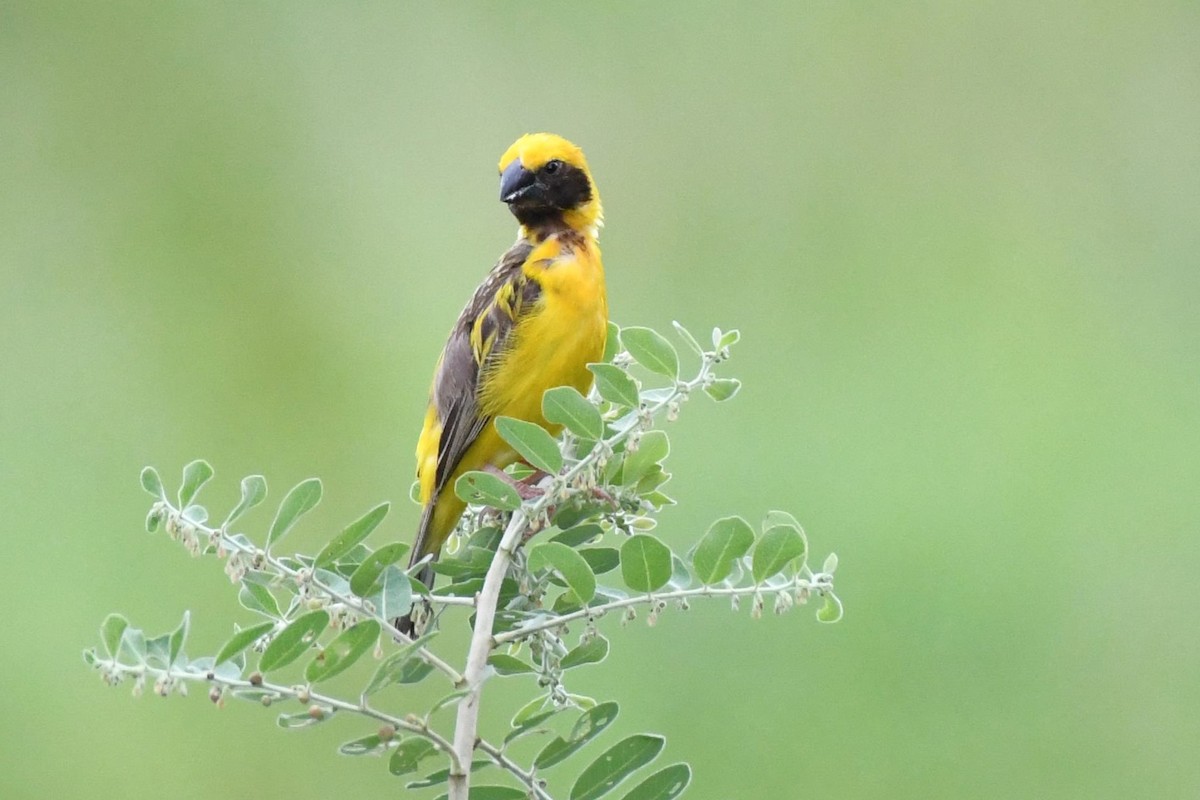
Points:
[(535, 323)]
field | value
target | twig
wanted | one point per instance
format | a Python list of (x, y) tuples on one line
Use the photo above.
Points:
[(819, 583), (303, 694)]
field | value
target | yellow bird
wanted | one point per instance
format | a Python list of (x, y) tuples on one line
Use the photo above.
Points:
[(535, 323)]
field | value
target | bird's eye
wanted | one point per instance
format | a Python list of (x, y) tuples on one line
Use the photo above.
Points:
[(552, 166)]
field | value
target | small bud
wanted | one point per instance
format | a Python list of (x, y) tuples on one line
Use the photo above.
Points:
[(386, 732), (266, 700), (302, 693), (316, 712), (214, 694), (756, 610), (672, 411), (139, 685), (256, 679), (735, 601), (802, 595)]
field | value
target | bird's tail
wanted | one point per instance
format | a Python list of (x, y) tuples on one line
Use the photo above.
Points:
[(426, 542)]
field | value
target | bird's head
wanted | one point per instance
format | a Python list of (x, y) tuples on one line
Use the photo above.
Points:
[(545, 182)]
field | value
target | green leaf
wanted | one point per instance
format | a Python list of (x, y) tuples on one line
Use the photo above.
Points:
[(293, 641), (579, 534), (533, 443), (620, 761), (133, 644), (492, 793), (407, 756), (666, 784), (486, 489), (299, 501), (564, 405), (254, 491), (775, 519), (651, 350), (257, 597), (178, 637), (342, 652), (395, 596), (363, 580), (241, 640), (722, 389), (652, 448), (645, 563), (831, 564), (530, 724), (529, 711), (590, 724), (593, 651), (726, 339), (569, 565), (831, 609), (615, 385), (153, 484), (362, 747), (774, 550), (301, 719), (195, 475), (601, 559), (612, 342), (110, 633), (505, 665), (353, 534), (441, 776), (454, 698), (401, 666), (727, 540), (686, 335)]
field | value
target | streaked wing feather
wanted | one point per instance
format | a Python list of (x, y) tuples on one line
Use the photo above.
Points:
[(480, 336)]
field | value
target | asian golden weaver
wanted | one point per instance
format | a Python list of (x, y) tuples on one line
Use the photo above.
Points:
[(535, 323)]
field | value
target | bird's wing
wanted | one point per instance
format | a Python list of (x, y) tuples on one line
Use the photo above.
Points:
[(478, 341)]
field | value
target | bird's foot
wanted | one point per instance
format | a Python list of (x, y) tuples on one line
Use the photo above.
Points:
[(525, 487)]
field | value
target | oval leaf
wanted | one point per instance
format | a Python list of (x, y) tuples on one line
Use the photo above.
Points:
[(363, 581), (354, 533), (504, 664), (110, 633), (652, 448), (621, 760), (651, 350), (569, 565), (831, 609), (593, 651), (299, 501), (645, 563), (177, 638), (254, 491), (590, 724), (774, 550), (293, 641), (666, 784), (723, 388), (615, 385), (152, 483), (241, 640), (343, 651), (533, 443), (486, 489), (399, 666), (407, 756), (395, 595), (195, 475), (565, 406), (727, 540), (362, 747), (601, 559)]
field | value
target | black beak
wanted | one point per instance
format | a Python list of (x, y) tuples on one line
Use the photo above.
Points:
[(515, 182)]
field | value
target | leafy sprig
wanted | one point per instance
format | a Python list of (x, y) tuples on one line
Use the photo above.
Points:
[(590, 495)]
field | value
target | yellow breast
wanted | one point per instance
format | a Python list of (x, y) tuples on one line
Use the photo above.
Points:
[(553, 345)]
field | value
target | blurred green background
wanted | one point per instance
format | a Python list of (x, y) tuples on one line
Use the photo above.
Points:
[(960, 241)]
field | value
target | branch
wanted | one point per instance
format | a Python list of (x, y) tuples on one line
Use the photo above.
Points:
[(819, 583), (220, 538), (465, 737), (303, 694)]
